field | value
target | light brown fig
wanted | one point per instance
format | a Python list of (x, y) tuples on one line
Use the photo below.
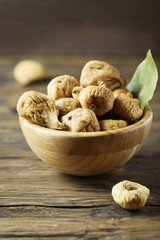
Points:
[(124, 91), (110, 124), (65, 105), (81, 120), (100, 73), (97, 98), (28, 71), (39, 109), (61, 87), (127, 108), (130, 195), (76, 91)]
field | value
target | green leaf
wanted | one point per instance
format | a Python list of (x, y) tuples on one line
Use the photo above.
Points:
[(144, 80)]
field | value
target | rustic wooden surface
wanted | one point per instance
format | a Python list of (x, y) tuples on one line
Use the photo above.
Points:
[(37, 201)]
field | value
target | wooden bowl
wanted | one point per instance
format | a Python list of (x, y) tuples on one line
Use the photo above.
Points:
[(90, 153)]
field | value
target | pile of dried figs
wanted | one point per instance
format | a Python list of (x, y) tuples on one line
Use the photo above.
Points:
[(99, 102)]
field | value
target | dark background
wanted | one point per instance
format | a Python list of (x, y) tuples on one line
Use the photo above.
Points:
[(79, 27)]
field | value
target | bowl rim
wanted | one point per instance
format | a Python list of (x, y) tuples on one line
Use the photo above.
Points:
[(147, 117)]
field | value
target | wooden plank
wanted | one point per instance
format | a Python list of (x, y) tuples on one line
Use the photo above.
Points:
[(28, 181), (37, 221)]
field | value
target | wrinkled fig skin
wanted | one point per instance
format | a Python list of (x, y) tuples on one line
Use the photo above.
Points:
[(39, 109), (97, 98), (65, 105), (100, 73), (124, 91), (130, 195), (61, 87), (81, 120), (76, 91), (110, 124), (127, 108)]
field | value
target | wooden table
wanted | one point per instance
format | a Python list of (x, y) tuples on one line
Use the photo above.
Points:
[(36, 201)]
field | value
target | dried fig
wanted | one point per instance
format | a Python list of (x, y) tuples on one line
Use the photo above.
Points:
[(97, 98), (81, 120), (65, 105), (124, 91), (28, 71), (110, 124), (130, 195), (39, 109), (101, 74), (127, 108), (76, 91), (61, 87)]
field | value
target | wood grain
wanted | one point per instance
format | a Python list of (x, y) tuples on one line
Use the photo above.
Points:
[(37, 201)]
